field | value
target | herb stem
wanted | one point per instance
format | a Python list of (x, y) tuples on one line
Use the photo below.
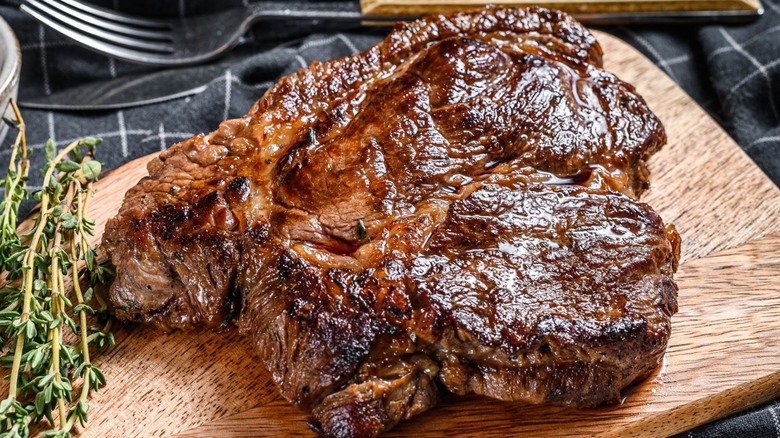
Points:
[(80, 298), (15, 367), (15, 192), (58, 304), (20, 170)]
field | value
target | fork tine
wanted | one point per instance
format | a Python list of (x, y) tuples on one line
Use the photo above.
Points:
[(93, 43), (160, 35), (119, 18), (73, 27)]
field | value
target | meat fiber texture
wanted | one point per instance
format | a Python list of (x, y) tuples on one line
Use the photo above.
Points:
[(453, 210)]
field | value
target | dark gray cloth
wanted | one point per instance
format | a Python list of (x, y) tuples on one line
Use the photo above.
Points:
[(733, 71)]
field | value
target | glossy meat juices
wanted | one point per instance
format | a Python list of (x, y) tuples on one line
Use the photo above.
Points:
[(452, 210)]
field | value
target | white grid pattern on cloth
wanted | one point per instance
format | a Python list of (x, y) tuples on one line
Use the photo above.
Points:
[(754, 38), (764, 140), (747, 79), (301, 61), (34, 188), (267, 84), (228, 92), (163, 136), (319, 42), (667, 63), (71, 140), (776, 422), (650, 48), (120, 117), (761, 69), (348, 42)]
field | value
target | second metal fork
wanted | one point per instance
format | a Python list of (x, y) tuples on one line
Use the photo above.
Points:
[(175, 42)]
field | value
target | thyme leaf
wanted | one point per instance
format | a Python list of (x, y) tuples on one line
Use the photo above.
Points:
[(43, 269), (362, 233)]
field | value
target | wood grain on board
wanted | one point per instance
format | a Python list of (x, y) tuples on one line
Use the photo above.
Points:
[(724, 352), (425, 7)]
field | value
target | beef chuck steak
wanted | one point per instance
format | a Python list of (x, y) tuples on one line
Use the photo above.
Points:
[(453, 209)]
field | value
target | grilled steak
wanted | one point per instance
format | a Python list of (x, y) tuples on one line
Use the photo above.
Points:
[(452, 210)]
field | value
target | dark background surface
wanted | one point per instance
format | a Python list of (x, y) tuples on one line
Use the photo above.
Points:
[(733, 71)]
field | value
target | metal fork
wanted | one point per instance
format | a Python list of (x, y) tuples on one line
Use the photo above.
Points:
[(175, 42)]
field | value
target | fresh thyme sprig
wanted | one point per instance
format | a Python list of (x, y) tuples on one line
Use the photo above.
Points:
[(15, 192), (45, 269)]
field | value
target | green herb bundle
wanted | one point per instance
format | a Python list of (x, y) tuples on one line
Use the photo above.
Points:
[(50, 297)]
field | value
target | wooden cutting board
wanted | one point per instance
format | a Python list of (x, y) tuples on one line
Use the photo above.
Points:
[(724, 354)]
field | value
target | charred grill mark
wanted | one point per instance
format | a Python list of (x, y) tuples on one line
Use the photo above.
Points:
[(208, 202), (238, 190), (350, 355), (624, 328), (167, 221)]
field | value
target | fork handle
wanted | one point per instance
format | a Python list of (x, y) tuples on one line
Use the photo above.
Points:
[(302, 10)]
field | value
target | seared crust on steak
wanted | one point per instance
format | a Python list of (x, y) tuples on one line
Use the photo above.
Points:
[(452, 209)]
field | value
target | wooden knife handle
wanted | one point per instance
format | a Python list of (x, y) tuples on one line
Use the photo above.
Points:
[(424, 7)]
